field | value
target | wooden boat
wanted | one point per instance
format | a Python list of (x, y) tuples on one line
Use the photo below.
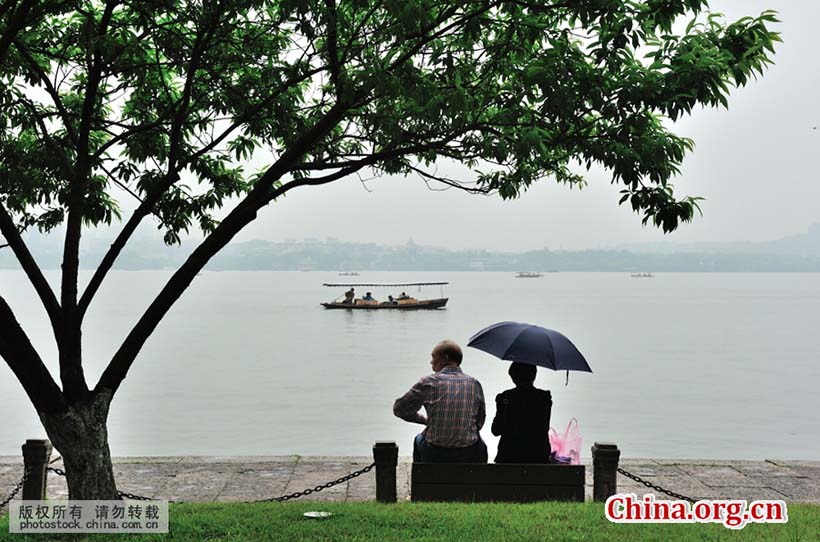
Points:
[(404, 304), (642, 275), (416, 304), (348, 274), (528, 275)]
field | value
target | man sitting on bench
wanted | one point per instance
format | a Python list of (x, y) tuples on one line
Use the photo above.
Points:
[(454, 403)]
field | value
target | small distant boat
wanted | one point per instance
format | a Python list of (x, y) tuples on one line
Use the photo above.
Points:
[(400, 303), (642, 275), (528, 275), (348, 274)]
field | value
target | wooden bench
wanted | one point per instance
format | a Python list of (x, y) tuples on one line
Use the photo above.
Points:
[(496, 482), (491, 482)]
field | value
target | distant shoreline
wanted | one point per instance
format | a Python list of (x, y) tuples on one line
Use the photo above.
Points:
[(796, 254), (365, 258)]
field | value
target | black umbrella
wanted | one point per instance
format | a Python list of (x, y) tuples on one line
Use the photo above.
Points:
[(534, 345)]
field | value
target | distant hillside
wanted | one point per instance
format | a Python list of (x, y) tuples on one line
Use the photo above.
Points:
[(804, 244), (147, 253)]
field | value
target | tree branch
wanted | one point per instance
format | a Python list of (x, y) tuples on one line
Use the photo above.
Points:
[(16, 349), (132, 130), (56, 148), (32, 270), (452, 183), (200, 45), (333, 48), (94, 77), (49, 88), (70, 343), (16, 23), (146, 207), (7, 5)]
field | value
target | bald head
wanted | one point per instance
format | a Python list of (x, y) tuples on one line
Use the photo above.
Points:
[(449, 351)]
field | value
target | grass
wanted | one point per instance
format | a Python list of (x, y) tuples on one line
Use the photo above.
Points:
[(433, 522)]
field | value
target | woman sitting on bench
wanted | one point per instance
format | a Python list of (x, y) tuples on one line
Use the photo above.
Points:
[(522, 419)]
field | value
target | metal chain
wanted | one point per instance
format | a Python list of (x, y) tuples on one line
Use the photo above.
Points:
[(120, 494), (17, 488), (131, 496), (655, 486), (320, 487), (283, 498)]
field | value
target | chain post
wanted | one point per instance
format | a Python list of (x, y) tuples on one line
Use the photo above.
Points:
[(386, 459), (605, 456), (36, 453)]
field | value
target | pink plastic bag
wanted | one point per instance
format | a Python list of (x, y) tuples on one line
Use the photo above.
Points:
[(566, 447)]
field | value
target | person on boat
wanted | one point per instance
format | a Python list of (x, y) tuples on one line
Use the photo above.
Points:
[(349, 295), (455, 412), (368, 297), (390, 300), (404, 296), (522, 419)]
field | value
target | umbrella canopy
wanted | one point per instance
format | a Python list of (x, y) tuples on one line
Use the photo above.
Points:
[(534, 345)]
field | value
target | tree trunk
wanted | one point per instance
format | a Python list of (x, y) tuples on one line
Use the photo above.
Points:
[(80, 434)]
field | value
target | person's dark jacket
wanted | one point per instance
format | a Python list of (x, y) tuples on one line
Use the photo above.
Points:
[(522, 419)]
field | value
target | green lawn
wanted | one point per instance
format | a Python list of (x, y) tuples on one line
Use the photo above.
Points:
[(437, 522)]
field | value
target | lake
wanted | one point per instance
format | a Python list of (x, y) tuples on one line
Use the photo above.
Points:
[(247, 363)]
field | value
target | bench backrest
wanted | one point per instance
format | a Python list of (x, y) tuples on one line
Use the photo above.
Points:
[(496, 482)]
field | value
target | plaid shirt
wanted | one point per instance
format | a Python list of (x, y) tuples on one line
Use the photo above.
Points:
[(454, 403)]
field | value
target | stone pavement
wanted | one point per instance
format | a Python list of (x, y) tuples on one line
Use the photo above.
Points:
[(208, 479)]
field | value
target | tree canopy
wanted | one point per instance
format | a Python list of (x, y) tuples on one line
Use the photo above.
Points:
[(165, 102)]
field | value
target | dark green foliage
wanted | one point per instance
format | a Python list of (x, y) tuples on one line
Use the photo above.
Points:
[(169, 98)]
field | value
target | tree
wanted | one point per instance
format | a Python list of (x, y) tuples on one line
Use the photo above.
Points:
[(163, 101)]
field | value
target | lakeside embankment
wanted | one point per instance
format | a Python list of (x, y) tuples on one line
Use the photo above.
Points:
[(238, 478)]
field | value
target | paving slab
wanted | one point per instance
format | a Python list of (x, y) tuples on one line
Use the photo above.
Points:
[(767, 470), (785, 463), (797, 489), (722, 476)]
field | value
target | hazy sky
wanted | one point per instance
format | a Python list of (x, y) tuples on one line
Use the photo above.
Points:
[(756, 165)]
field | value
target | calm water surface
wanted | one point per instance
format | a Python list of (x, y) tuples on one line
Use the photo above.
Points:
[(248, 363)]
